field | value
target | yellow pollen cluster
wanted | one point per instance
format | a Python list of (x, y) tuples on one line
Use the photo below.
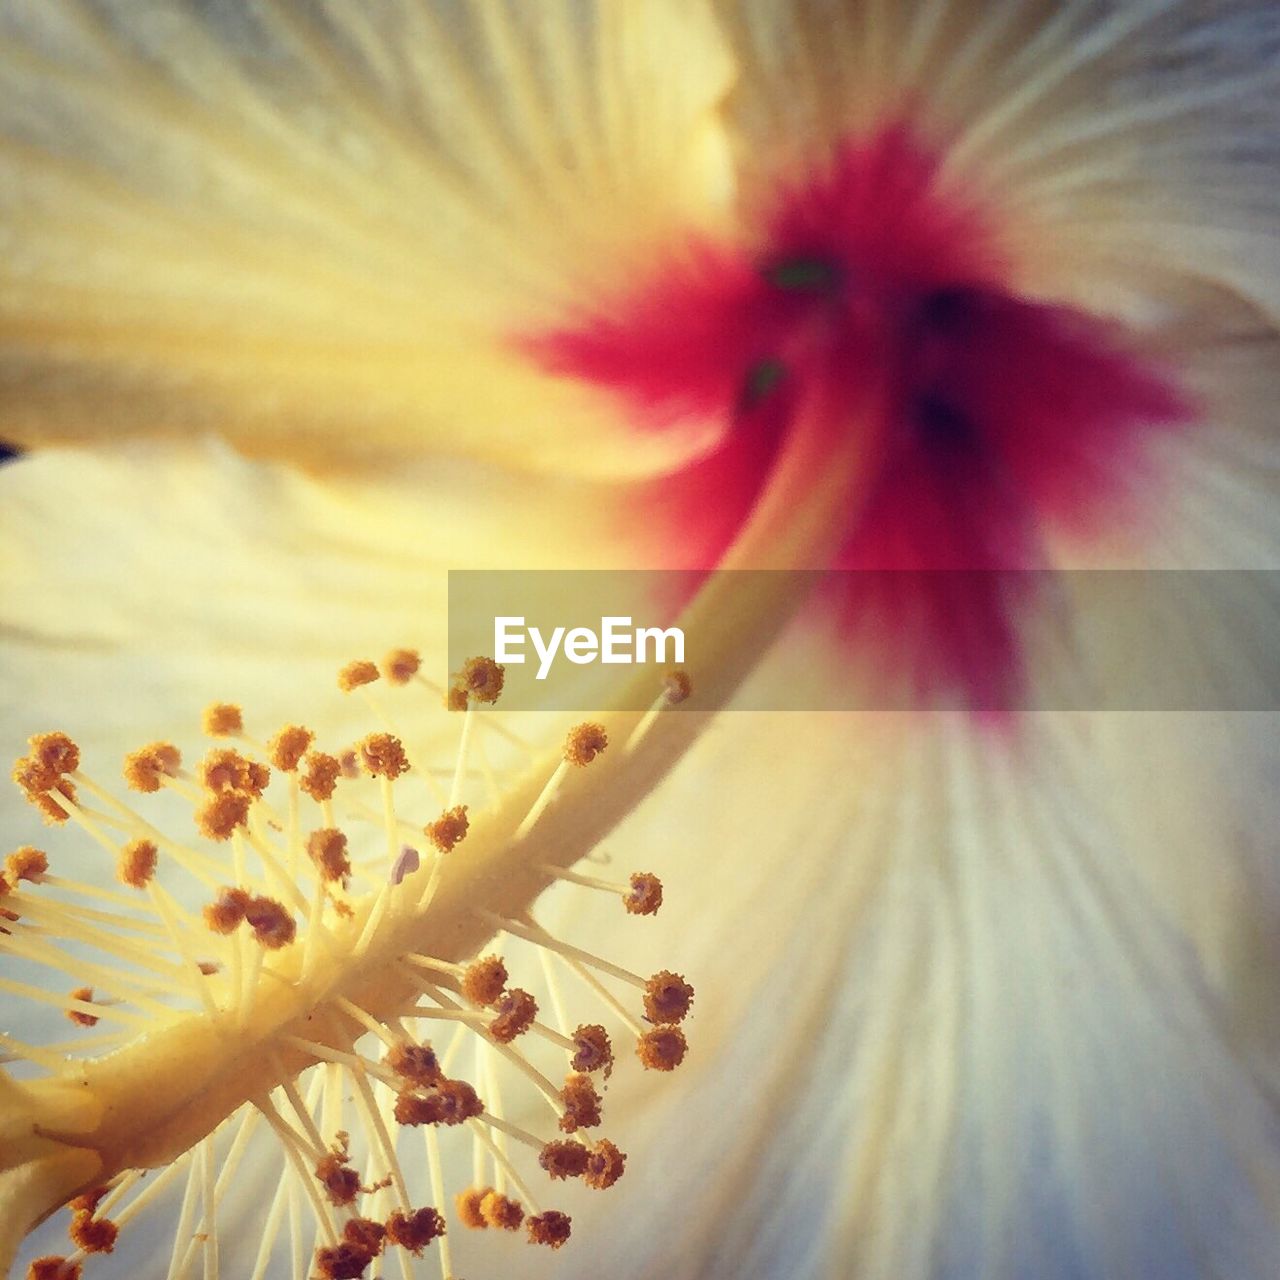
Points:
[(226, 912), (516, 1010), (340, 1181), (416, 1229), (26, 863), (563, 1159), (484, 981), (383, 755), (592, 1050), (501, 1212), (663, 1048), (221, 814), (483, 1207), (228, 770), (327, 849), (43, 774), (605, 1165), (448, 829), (271, 923), (320, 775), (584, 743), (645, 894), (678, 686), (444, 1102), (356, 674), (222, 720), (480, 679), (667, 997), (93, 1235), (581, 1104), (268, 919), (146, 768), (550, 1228), (416, 1065), (136, 865), (54, 1267), (288, 747), (401, 665)]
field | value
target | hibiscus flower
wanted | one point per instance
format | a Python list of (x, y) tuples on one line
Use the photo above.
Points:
[(305, 304)]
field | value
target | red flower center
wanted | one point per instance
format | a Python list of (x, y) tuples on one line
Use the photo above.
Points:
[(1007, 418)]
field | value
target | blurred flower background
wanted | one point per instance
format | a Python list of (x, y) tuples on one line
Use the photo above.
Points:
[(972, 1003)]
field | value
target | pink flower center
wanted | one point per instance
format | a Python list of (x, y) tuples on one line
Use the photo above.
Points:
[(1008, 418)]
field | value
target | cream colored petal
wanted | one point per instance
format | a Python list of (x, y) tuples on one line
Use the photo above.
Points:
[(815, 72), (1152, 157), (315, 228), (1161, 164), (1214, 515), (1109, 140), (944, 1028)]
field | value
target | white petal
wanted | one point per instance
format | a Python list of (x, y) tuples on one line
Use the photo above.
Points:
[(1154, 155), (1110, 140), (317, 228), (944, 1028)]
